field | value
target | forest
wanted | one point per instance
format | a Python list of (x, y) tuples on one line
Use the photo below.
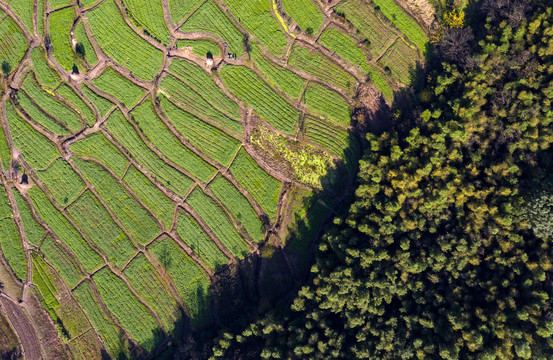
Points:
[(446, 249)]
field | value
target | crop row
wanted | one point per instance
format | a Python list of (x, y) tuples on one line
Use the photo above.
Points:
[(24, 10), (97, 146), (305, 13), (159, 134), (278, 76), (195, 237), (208, 139), (52, 105), (64, 230), (263, 187), (113, 83), (123, 304), (33, 231), (139, 223), (150, 195), (75, 100), (322, 67), (204, 85), (196, 104), (149, 15), (238, 206), (218, 222), (95, 222), (327, 103), (5, 153), (147, 283), (37, 150), (209, 18), (10, 242), (128, 48), (126, 135), (246, 85), (191, 282), (256, 17)]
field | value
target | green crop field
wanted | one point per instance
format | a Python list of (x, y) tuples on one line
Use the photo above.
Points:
[(154, 153)]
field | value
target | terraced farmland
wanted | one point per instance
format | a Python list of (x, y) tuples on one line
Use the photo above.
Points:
[(130, 177)]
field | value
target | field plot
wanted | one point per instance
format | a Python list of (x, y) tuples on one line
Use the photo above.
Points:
[(327, 103), (102, 104), (61, 22), (112, 336), (62, 261), (54, 4), (204, 85), (255, 16), (11, 246), (404, 23), (246, 85), (209, 18), (195, 237), (37, 150), (196, 104), (150, 195), (132, 315), (125, 135), (75, 100), (38, 115), (64, 230), (149, 15), (52, 105), (278, 76), (44, 72), (191, 282), (218, 222), (13, 44), (45, 286), (321, 67), (305, 13), (130, 50), (263, 187), (130, 212), (200, 47), (238, 206), (401, 60), (33, 231), (338, 141), (148, 284), (62, 181), (206, 138), (83, 39), (97, 146), (95, 222), (113, 83), (5, 152), (159, 134), (179, 9), (345, 47), (24, 10)]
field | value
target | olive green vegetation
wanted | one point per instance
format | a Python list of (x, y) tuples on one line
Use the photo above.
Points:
[(445, 252)]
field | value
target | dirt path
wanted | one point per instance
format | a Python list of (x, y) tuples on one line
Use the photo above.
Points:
[(25, 331)]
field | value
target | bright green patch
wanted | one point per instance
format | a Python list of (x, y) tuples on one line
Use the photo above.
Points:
[(10, 243), (56, 255), (33, 231), (305, 13), (61, 22), (149, 15), (327, 103)]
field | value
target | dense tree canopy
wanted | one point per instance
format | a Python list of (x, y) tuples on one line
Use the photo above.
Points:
[(446, 251)]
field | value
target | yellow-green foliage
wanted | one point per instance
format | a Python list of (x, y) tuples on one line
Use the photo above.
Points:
[(309, 163)]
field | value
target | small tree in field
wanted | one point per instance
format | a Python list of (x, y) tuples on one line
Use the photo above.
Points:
[(6, 67)]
